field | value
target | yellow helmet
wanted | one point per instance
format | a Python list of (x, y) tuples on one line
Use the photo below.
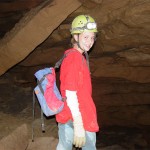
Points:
[(83, 23)]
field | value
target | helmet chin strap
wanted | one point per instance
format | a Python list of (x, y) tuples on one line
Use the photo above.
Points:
[(85, 53)]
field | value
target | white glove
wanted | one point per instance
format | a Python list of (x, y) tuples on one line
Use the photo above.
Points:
[(79, 132)]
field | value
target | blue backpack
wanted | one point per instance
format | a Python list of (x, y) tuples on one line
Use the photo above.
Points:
[(47, 92)]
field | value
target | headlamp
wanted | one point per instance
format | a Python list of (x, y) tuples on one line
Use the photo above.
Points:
[(90, 25)]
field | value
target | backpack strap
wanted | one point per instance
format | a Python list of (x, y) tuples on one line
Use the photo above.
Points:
[(87, 59), (58, 63), (33, 113), (42, 116), (33, 116)]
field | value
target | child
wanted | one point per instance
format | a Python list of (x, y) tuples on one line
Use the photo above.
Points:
[(77, 122)]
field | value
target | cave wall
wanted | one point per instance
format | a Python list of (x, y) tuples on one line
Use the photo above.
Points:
[(119, 60)]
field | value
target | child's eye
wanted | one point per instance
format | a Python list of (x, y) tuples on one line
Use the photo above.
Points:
[(93, 38)]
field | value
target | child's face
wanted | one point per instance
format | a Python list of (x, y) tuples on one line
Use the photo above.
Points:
[(86, 40)]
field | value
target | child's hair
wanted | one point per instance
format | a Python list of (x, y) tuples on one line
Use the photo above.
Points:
[(73, 41)]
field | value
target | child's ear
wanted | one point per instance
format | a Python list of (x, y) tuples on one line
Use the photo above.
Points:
[(76, 37)]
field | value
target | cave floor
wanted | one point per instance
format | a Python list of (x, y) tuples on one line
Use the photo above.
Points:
[(16, 109)]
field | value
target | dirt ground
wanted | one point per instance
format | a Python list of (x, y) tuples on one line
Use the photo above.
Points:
[(16, 109)]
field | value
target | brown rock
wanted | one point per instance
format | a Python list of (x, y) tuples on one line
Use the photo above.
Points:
[(17, 140), (43, 143)]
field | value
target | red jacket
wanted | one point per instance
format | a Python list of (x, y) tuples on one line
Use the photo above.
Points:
[(75, 76)]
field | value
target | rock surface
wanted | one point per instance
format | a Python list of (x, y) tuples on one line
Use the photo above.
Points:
[(17, 140), (119, 62)]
